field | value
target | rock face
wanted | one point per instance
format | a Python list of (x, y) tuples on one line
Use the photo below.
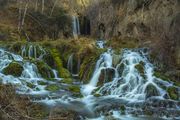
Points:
[(154, 23)]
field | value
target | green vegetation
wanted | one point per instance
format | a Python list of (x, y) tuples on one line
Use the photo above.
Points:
[(14, 69), (161, 76), (44, 69), (30, 85), (64, 73), (42, 83), (173, 93), (140, 68), (52, 87), (74, 89), (67, 81)]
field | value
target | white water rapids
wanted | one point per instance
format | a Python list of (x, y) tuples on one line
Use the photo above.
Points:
[(127, 83)]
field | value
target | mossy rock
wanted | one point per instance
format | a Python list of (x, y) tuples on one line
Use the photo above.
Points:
[(173, 93), (14, 69), (51, 79), (52, 87), (44, 69), (151, 90), (64, 73), (30, 85), (74, 89), (67, 81), (42, 83), (140, 68), (161, 76), (121, 69), (97, 95), (122, 109)]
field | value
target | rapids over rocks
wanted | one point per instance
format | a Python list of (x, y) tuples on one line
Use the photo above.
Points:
[(123, 85)]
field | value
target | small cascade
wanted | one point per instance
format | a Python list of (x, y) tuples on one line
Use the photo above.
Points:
[(30, 80), (33, 51), (104, 62), (70, 64), (76, 27), (129, 82), (55, 72), (30, 70), (100, 43)]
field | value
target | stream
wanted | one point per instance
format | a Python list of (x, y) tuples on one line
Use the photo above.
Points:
[(127, 90)]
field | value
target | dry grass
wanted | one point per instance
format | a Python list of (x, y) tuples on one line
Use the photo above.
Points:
[(15, 107)]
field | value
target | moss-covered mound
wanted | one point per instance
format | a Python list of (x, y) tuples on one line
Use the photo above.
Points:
[(14, 69), (64, 73), (44, 69), (173, 93), (67, 81), (151, 90), (52, 87), (140, 68)]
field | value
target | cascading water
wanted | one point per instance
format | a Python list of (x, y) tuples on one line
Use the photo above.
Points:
[(129, 83), (70, 64), (33, 51), (104, 62), (101, 43), (76, 26), (28, 81)]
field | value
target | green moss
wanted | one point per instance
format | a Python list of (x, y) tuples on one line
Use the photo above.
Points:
[(97, 95), (52, 87), (14, 69), (122, 108), (30, 85), (42, 83), (64, 73), (67, 81), (173, 93), (161, 76), (89, 62), (44, 69), (75, 89), (140, 68), (50, 79), (151, 90)]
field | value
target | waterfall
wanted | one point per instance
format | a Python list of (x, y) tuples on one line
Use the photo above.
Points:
[(33, 51), (100, 43), (104, 62), (70, 64), (128, 82), (76, 27), (30, 80)]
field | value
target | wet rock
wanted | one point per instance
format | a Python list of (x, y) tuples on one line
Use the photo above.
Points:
[(52, 87), (173, 93), (151, 90), (67, 81), (140, 68), (44, 69), (121, 69), (14, 69), (106, 75)]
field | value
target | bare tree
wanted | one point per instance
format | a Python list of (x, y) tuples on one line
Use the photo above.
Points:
[(36, 5), (53, 7), (42, 6)]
